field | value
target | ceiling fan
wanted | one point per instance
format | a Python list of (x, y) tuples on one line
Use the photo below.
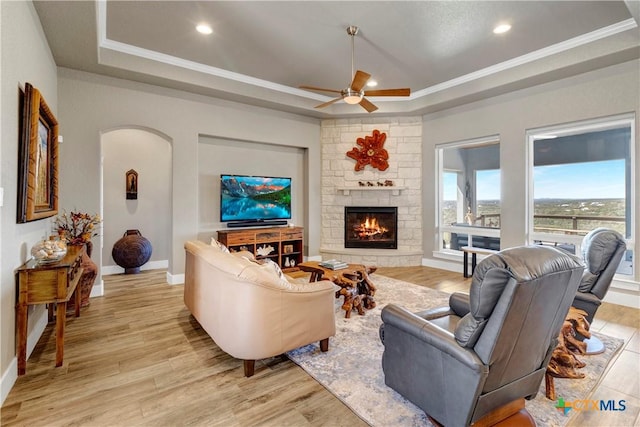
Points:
[(355, 93)]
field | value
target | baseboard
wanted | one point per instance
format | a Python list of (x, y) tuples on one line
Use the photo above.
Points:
[(442, 264), (10, 376), (175, 279), (151, 265), (624, 293), (98, 289)]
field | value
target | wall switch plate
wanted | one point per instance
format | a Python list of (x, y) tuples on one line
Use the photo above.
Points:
[(60, 139), (1, 196)]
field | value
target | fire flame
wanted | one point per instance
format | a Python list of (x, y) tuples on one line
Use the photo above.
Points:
[(369, 228)]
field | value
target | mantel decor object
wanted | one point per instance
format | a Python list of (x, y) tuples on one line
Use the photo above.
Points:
[(131, 251), (37, 159), (371, 152), (132, 184)]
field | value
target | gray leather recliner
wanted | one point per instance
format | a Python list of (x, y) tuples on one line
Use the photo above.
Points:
[(602, 250), (488, 348)]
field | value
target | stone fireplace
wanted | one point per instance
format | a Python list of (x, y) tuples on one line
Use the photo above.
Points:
[(371, 227), (399, 187)]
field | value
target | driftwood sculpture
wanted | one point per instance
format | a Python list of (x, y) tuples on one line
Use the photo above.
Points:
[(563, 363), (356, 288)]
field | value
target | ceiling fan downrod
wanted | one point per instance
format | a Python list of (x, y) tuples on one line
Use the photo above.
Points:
[(352, 30)]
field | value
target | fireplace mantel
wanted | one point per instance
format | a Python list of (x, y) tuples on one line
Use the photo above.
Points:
[(395, 191)]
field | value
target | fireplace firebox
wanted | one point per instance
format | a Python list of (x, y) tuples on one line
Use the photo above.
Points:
[(371, 227)]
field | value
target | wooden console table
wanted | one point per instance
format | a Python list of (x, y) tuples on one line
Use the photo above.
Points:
[(285, 243), (47, 284)]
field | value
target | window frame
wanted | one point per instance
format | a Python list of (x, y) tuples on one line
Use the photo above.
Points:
[(576, 128), (440, 170)]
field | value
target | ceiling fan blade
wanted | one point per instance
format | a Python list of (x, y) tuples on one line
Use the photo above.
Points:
[(388, 92), (359, 80), (367, 105), (320, 89), (326, 104)]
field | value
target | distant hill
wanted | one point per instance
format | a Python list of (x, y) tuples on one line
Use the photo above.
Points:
[(586, 211)]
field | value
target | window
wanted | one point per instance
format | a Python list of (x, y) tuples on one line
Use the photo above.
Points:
[(469, 194), (581, 178), (452, 198), (488, 197)]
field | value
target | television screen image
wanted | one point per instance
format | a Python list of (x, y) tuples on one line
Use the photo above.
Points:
[(254, 198)]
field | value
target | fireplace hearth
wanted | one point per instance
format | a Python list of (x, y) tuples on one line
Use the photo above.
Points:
[(371, 227)]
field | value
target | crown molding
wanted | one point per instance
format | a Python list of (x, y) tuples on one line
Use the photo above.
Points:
[(531, 57), (127, 49)]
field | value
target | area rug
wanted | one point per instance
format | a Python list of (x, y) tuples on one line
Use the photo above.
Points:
[(352, 368)]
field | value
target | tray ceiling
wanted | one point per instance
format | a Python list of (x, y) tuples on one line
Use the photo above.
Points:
[(260, 52)]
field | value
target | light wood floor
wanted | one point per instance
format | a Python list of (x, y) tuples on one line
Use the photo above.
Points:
[(136, 357)]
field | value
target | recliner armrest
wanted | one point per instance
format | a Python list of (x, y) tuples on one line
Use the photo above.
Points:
[(434, 313), (430, 334), (588, 297)]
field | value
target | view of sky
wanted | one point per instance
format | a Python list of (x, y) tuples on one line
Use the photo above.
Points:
[(593, 180)]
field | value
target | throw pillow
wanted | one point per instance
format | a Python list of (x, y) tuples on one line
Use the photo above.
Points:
[(275, 267), (219, 245)]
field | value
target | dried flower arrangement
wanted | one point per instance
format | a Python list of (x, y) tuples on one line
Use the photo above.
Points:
[(77, 228)]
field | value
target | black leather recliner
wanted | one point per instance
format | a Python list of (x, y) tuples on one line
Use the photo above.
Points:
[(602, 251), (488, 348)]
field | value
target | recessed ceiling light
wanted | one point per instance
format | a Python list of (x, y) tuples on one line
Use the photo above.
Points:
[(204, 29), (501, 29), (372, 83)]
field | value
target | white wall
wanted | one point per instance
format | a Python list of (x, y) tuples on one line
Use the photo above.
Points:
[(221, 156), (149, 154), (25, 57), (609, 91), (94, 104)]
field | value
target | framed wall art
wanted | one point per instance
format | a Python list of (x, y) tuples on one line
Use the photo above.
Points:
[(132, 184), (37, 159)]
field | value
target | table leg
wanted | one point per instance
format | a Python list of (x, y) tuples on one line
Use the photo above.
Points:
[(465, 263), (61, 317), (316, 276), (77, 295), (473, 263), (21, 338)]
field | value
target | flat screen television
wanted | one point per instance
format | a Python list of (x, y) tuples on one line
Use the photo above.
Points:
[(247, 199)]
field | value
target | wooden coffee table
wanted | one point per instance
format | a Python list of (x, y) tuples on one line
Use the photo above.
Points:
[(356, 287)]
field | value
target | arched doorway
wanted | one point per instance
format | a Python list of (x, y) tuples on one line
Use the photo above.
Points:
[(149, 154)]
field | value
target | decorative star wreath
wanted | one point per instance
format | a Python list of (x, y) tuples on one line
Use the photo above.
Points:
[(370, 152)]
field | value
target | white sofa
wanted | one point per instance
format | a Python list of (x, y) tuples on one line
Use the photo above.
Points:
[(249, 310)]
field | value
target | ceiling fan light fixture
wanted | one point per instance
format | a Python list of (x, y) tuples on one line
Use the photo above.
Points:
[(355, 92), (351, 96)]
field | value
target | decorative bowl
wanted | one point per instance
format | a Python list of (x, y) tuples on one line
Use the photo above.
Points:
[(49, 251)]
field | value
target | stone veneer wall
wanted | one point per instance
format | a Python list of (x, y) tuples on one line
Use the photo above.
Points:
[(404, 144)]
